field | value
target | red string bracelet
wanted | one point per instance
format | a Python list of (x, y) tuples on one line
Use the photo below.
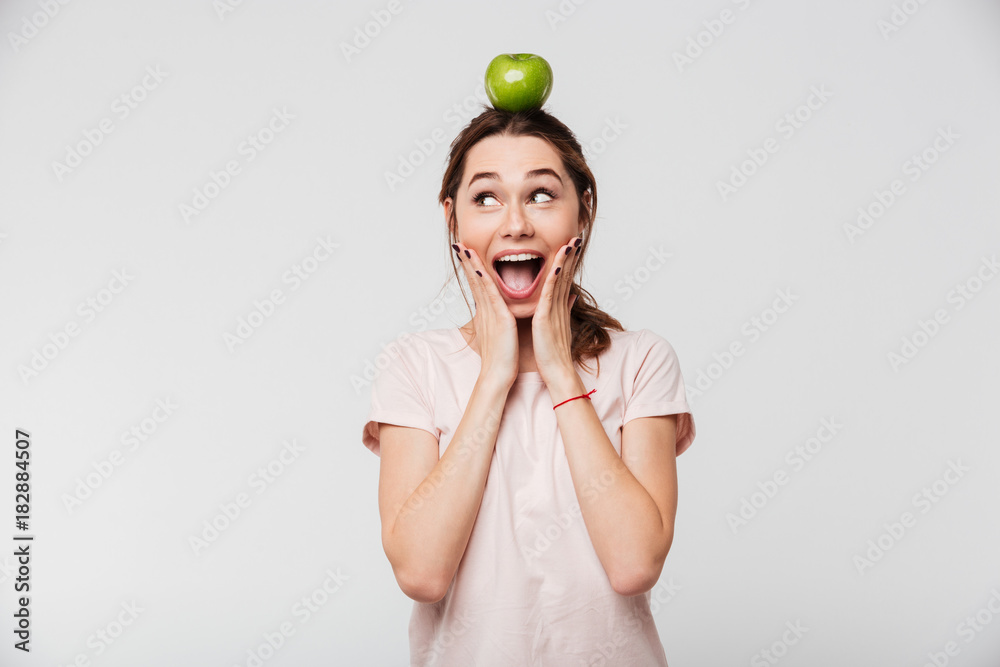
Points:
[(586, 396)]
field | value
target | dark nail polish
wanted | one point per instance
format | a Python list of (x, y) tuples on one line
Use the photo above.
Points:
[(578, 250), (468, 254), (479, 273), (455, 247), (578, 242), (569, 250), (558, 269), (459, 257)]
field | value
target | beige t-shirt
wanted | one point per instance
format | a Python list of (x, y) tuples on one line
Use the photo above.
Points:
[(530, 589)]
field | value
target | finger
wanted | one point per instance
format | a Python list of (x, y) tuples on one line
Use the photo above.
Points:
[(566, 275), (574, 257), (567, 267), (475, 284), (462, 254), (553, 288), (477, 274), (573, 260)]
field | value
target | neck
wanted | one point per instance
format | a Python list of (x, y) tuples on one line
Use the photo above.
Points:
[(525, 348)]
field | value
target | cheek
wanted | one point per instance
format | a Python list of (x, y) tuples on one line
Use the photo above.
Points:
[(568, 215)]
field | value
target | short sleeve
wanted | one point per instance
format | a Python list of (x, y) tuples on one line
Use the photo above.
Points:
[(658, 388), (398, 397)]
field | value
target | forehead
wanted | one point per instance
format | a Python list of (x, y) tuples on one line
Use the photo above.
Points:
[(511, 157)]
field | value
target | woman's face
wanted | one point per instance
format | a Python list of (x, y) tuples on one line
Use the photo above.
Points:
[(515, 194)]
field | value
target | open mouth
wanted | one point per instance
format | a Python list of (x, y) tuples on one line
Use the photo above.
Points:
[(518, 274)]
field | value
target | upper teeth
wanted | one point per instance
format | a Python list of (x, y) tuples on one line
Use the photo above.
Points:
[(517, 258)]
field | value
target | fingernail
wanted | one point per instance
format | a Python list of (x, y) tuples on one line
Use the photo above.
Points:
[(569, 250), (578, 242), (479, 273), (578, 250), (455, 246), (469, 255), (459, 256), (558, 269)]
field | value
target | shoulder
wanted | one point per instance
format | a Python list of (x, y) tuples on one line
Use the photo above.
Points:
[(639, 343), (417, 341), (627, 353), (643, 354), (424, 342), (650, 340), (420, 349)]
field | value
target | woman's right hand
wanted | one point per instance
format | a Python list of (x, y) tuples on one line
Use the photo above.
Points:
[(496, 328)]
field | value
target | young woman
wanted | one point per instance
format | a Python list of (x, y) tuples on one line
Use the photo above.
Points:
[(528, 484)]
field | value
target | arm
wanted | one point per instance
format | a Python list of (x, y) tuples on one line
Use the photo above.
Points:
[(428, 505), (629, 503)]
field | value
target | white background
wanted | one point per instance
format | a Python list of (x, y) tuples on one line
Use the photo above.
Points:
[(301, 374)]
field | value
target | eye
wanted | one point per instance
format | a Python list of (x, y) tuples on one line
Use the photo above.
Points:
[(546, 192), (478, 199), (483, 195)]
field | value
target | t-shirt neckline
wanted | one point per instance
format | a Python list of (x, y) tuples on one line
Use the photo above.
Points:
[(465, 348)]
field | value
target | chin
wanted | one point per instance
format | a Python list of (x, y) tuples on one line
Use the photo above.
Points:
[(522, 311)]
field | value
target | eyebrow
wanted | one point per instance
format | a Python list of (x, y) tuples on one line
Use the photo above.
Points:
[(531, 174)]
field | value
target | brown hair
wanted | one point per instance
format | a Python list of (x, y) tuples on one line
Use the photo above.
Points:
[(588, 323)]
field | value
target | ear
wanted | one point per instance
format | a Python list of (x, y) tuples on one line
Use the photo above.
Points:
[(448, 203), (586, 204)]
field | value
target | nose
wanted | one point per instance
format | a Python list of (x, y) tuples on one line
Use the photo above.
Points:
[(515, 222)]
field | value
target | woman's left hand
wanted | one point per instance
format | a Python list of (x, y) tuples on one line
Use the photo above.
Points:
[(551, 335)]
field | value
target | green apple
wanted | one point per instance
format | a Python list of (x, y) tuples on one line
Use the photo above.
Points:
[(518, 81)]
